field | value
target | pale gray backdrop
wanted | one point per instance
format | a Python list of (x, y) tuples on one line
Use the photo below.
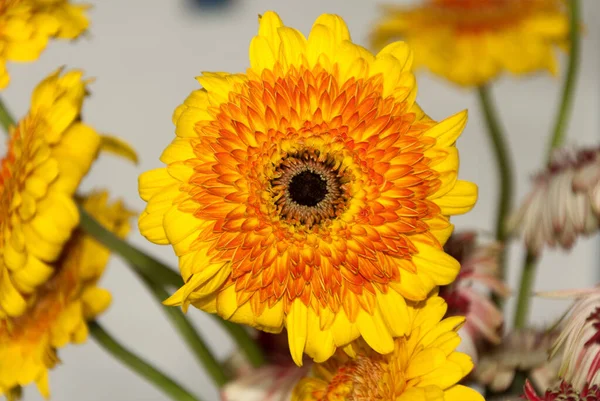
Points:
[(145, 55)]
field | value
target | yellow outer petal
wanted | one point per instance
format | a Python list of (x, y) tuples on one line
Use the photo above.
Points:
[(118, 147), (297, 329), (320, 42), (11, 301), (436, 263), (152, 182), (336, 25), (394, 312), (458, 200), (448, 130), (375, 332), (293, 46), (268, 26), (425, 362), (319, 343), (462, 393), (262, 55)]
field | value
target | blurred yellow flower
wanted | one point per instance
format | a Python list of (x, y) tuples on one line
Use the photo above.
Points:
[(49, 152), (311, 192), (470, 42), (423, 365), (57, 315), (27, 25)]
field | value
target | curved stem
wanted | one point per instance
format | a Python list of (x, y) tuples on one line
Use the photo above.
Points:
[(189, 334), (568, 91), (138, 365), (147, 265), (504, 168), (247, 344), (530, 261), (163, 276), (6, 119)]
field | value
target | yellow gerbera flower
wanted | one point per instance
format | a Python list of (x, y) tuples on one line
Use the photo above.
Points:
[(27, 25), (58, 313), (423, 365), (470, 42), (49, 152), (310, 192)]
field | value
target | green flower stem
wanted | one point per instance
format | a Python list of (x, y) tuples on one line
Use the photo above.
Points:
[(558, 134), (504, 168), (568, 91), (6, 118), (247, 344), (138, 365), (189, 334), (147, 265), (163, 276), (526, 284)]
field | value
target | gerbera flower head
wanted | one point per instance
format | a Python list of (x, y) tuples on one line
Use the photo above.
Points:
[(470, 294), (422, 366), (470, 42), (311, 192), (57, 315), (26, 26), (49, 152), (579, 340), (563, 392), (562, 203)]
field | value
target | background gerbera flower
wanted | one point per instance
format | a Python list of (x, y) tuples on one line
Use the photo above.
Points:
[(27, 25), (422, 366), (470, 294), (560, 206), (579, 340), (273, 381), (470, 42), (49, 152), (564, 391), (58, 314), (70, 16), (311, 192), (524, 350)]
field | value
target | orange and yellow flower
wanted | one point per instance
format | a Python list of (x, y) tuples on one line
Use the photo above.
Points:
[(311, 192), (57, 315), (49, 152), (470, 42), (423, 365), (26, 26)]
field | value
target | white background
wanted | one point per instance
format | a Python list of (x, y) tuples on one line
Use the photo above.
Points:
[(145, 55)]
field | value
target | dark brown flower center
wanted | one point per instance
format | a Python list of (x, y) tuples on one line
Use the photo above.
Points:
[(308, 190)]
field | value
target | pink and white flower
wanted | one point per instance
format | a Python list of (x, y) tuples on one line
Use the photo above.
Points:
[(564, 202), (563, 392), (579, 339), (470, 294), (274, 381), (267, 383)]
